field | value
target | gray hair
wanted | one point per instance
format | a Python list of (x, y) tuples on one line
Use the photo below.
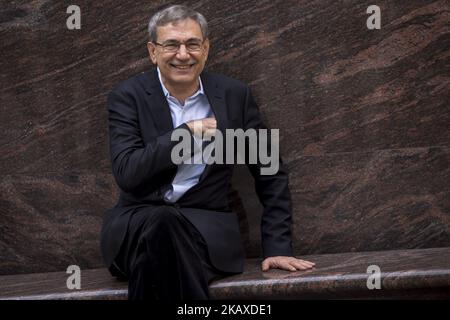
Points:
[(173, 14)]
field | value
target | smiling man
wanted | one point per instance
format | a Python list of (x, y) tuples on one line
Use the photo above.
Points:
[(180, 55), (172, 231)]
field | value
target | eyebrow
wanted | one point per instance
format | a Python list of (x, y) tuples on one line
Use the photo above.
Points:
[(190, 39)]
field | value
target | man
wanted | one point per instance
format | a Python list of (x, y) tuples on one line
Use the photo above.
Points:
[(172, 231)]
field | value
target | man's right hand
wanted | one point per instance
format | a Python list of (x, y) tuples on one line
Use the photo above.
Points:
[(203, 127)]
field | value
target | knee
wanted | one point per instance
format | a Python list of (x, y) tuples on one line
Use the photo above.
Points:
[(165, 216), (162, 220)]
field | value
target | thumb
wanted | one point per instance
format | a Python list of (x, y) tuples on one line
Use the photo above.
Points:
[(265, 265)]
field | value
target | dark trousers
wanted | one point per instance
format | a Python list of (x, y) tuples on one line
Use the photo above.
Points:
[(164, 257)]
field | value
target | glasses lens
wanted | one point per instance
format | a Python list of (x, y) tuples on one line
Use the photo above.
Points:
[(170, 47), (193, 46)]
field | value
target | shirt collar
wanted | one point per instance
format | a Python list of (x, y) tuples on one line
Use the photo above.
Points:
[(167, 93)]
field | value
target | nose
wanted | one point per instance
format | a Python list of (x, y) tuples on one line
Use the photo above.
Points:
[(182, 52)]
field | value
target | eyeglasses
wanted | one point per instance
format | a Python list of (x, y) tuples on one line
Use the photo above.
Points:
[(174, 46)]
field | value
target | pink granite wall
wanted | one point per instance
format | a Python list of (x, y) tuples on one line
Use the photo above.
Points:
[(363, 115)]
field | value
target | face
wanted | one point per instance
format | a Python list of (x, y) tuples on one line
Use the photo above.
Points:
[(181, 67)]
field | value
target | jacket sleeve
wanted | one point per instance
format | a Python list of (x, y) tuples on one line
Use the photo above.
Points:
[(134, 162), (273, 193)]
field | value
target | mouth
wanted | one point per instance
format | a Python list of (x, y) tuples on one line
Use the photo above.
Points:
[(182, 66)]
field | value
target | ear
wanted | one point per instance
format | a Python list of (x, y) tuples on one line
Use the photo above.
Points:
[(206, 44), (151, 51)]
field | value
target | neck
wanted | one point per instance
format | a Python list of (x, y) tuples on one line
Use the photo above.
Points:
[(181, 91)]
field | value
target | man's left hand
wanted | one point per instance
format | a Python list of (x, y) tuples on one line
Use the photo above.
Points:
[(286, 263)]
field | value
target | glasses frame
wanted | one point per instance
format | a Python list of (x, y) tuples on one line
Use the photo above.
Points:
[(180, 43)]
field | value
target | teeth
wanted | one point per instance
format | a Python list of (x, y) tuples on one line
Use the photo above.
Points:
[(182, 67)]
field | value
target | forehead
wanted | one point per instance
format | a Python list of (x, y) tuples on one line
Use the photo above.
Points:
[(179, 30)]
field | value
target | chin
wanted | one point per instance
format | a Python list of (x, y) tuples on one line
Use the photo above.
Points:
[(184, 78)]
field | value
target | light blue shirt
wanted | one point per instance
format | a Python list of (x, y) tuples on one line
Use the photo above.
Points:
[(195, 107)]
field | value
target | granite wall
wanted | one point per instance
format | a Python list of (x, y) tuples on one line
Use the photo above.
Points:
[(364, 119)]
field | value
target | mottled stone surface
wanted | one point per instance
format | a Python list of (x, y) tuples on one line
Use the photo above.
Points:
[(51, 221), (95, 284), (407, 274), (419, 273), (388, 199), (363, 117)]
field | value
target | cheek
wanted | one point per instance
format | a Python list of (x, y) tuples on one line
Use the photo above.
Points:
[(164, 63), (201, 60)]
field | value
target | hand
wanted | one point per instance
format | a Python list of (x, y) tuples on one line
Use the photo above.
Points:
[(286, 263), (203, 127)]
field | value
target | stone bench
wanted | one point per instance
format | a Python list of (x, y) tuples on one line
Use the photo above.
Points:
[(405, 274)]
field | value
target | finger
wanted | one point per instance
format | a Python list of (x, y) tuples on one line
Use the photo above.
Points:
[(209, 120), (285, 265), (209, 132), (308, 265), (305, 262), (198, 127), (207, 126), (301, 266), (211, 124), (312, 264)]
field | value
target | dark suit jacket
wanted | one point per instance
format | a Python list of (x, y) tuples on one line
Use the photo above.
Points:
[(140, 127)]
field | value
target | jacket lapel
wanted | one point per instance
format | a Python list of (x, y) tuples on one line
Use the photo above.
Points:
[(158, 105), (216, 98)]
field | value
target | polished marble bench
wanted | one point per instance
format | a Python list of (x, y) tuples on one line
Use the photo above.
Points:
[(405, 274)]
